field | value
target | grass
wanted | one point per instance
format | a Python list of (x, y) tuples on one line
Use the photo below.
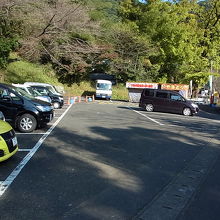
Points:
[(85, 88), (120, 92), (22, 71)]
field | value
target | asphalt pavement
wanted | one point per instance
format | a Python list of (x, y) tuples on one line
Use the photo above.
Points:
[(205, 202), (111, 160)]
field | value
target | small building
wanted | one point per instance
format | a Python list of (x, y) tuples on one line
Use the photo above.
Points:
[(135, 89)]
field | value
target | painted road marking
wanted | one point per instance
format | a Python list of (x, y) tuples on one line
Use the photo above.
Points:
[(157, 122), (29, 133), (5, 184)]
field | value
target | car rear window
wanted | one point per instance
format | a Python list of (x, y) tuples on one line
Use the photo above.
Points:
[(162, 95)]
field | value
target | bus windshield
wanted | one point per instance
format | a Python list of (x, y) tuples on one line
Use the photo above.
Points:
[(103, 86)]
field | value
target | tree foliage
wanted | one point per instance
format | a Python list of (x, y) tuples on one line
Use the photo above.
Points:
[(155, 40), (10, 30)]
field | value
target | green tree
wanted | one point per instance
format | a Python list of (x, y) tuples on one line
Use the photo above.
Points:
[(131, 50), (209, 20), (10, 30), (173, 28)]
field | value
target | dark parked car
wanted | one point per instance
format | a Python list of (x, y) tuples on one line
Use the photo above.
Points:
[(22, 111), (166, 101), (57, 100)]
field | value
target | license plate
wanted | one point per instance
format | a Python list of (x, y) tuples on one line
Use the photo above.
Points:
[(103, 96), (51, 117), (14, 141)]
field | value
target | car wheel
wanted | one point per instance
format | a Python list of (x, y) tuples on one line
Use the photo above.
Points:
[(187, 112), (149, 107), (26, 123), (56, 105)]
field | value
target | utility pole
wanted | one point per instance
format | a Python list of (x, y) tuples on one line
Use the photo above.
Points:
[(211, 84)]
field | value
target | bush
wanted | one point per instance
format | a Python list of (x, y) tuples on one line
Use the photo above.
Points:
[(22, 71)]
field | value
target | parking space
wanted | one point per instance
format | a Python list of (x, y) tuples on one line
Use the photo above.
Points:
[(91, 153), (28, 144), (203, 121), (8, 166), (199, 122)]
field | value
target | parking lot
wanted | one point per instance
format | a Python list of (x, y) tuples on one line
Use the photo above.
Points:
[(29, 143), (108, 160)]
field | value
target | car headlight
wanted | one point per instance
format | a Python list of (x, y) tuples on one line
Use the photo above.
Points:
[(194, 105), (60, 98), (44, 108)]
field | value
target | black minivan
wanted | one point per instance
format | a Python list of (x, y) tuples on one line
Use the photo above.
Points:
[(22, 111), (166, 101)]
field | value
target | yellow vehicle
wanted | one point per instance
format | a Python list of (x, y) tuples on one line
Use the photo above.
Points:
[(8, 141)]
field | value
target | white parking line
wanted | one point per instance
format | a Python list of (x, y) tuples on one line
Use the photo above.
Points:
[(157, 122), (5, 184), (29, 133), (59, 109), (24, 149)]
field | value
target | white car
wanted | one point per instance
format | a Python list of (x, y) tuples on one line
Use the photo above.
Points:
[(48, 86), (33, 92)]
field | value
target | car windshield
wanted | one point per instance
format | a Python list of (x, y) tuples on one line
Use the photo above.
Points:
[(103, 86), (51, 89), (22, 93), (33, 92)]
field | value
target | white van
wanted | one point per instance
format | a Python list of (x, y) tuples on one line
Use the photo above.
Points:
[(103, 89)]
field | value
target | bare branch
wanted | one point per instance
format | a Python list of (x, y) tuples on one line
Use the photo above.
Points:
[(70, 12), (56, 61), (47, 26)]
